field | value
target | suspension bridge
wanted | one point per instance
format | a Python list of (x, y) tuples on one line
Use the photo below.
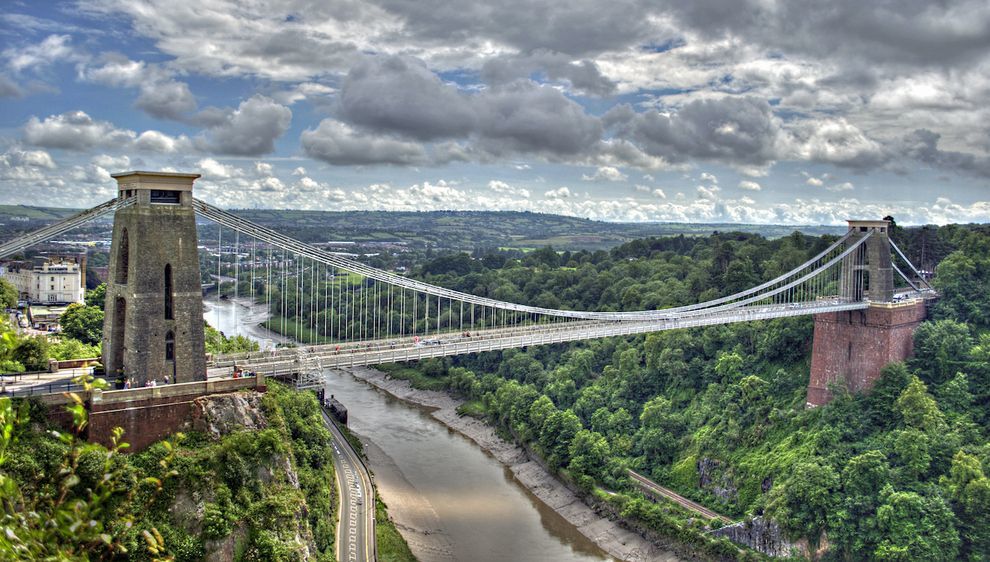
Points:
[(340, 312)]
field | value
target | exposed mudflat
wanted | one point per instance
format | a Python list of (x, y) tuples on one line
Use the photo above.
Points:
[(419, 525)]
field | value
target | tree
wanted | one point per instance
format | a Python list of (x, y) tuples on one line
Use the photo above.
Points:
[(853, 527), (954, 395), (963, 283), (75, 515), (969, 490), (804, 501), (97, 297), (589, 452), (940, 349), (558, 432), (32, 353), (916, 527), (218, 343), (8, 294), (67, 348), (913, 451), (919, 409), (84, 323)]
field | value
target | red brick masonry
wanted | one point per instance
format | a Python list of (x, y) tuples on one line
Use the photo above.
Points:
[(146, 414), (850, 348)]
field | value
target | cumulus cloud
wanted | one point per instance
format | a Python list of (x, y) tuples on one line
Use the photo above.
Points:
[(400, 95), (708, 177), (922, 145), (338, 143), (836, 141), (156, 141), (25, 165), (559, 193), (249, 130), (167, 99), (605, 173), (524, 117), (728, 129), (214, 170), (74, 130), (844, 186), (116, 163), (53, 48), (115, 70), (750, 185), (583, 76), (502, 187)]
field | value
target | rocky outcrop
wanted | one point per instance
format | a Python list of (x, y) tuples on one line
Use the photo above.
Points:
[(715, 478), (221, 414), (227, 548), (763, 535)]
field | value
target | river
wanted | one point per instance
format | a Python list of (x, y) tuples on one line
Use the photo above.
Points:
[(451, 500)]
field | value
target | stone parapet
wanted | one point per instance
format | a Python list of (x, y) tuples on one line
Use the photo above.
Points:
[(146, 414)]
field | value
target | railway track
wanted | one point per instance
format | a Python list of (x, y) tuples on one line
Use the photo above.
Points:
[(655, 489)]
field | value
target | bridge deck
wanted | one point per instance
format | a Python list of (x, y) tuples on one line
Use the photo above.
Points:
[(328, 356)]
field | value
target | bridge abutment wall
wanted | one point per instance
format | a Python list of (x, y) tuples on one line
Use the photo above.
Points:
[(146, 415), (851, 347)]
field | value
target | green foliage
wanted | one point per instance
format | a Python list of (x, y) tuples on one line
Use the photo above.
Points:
[(804, 501), (915, 527), (32, 352), (963, 283), (941, 348), (8, 294), (83, 322), (168, 502), (218, 343), (918, 409), (97, 297), (67, 348), (86, 499)]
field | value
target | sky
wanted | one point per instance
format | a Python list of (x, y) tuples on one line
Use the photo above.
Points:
[(743, 111)]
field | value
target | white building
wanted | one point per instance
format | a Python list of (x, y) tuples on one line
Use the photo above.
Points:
[(56, 281)]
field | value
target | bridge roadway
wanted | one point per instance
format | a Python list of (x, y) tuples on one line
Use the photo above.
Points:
[(373, 352), (356, 526)]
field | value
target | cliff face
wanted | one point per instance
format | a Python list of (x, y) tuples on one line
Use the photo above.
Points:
[(240, 494), (222, 414), (762, 535)]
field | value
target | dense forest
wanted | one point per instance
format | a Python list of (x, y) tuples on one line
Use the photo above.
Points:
[(718, 413)]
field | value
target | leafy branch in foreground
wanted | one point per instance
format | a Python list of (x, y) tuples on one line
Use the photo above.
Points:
[(70, 514)]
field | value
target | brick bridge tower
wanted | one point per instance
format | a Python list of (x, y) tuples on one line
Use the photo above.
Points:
[(154, 306), (851, 347)]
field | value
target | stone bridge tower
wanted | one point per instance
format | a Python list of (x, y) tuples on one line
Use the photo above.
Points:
[(868, 273), (850, 348), (154, 305)]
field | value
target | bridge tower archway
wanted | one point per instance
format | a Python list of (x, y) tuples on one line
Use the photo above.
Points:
[(154, 304)]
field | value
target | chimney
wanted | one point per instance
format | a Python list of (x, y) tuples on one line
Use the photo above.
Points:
[(82, 271)]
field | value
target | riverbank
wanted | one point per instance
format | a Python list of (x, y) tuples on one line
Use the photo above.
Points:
[(606, 534)]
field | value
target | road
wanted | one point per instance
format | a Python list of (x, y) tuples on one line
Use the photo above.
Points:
[(356, 526)]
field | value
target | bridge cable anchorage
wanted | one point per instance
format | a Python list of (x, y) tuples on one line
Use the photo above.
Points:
[(46, 233), (911, 265), (304, 250)]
